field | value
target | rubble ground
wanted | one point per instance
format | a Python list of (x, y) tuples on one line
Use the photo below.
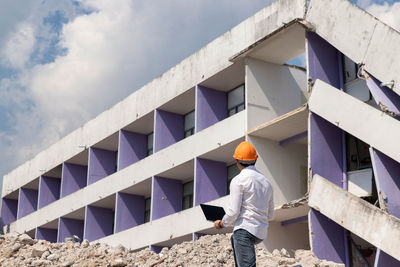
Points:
[(210, 250)]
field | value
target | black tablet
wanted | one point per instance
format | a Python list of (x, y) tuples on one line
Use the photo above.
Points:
[(212, 213)]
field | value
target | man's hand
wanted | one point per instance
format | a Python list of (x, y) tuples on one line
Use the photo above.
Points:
[(218, 224)]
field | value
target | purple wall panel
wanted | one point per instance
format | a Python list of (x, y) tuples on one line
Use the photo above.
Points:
[(9, 208), (384, 95), (28, 199), (166, 198), (101, 164), (323, 60), (387, 177), (98, 222), (129, 211), (46, 234), (49, 190), (68, 227), (385, 260), (156, 249), (132, 148), (326, 244), (326, 151), (169, 129), (211, 107), (74, 177), (211, 180)]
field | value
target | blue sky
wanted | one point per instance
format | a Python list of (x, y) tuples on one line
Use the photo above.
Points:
[(63, 62)]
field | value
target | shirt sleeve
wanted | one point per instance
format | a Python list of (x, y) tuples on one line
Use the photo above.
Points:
[(271, 207), (235, 203)]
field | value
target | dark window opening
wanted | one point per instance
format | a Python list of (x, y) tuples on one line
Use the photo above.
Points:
[(236, 101), (187, 195), (147, 208), (189, 124), (232, 171), (358, 157), (150, 144), (350, 69)]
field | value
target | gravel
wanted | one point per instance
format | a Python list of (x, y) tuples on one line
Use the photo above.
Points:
[(211, 250)]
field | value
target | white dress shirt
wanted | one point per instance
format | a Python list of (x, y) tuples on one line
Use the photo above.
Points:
[(251, 203)]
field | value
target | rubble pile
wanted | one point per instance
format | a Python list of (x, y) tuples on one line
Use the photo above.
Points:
[(214, 250)]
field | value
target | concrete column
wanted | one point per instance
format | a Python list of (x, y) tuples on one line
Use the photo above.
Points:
[(168, 129), (9, 208), (210, 180), (73, 178), (28, 200), (166, 197), (387, 177), (49, 190), (132, 148), (99, 222), (211, 107), (102, 163), (328, 239), (46, 234), (68, 227), (129, 211)]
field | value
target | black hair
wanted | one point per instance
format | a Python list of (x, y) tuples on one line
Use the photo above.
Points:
[(247, 164)]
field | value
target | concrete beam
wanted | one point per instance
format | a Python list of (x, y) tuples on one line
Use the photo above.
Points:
[(356, 215), (357, 118)]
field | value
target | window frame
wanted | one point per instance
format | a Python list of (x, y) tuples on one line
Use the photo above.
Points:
[(235, 108)]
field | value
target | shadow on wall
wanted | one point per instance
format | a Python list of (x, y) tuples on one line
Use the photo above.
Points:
[(283, 166)]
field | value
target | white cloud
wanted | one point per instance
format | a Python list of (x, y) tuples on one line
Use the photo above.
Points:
[(19, 47), (389, 14)]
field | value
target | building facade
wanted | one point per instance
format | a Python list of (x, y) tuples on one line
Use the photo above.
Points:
[(136, 174)]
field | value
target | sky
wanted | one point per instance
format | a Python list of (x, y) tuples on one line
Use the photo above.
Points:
[(63, 62)]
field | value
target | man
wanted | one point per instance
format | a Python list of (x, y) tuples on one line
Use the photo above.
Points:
[(251, 206)]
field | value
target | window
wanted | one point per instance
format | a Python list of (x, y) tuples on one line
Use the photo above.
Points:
[(150, 144), (236, 100), (350, 69), (358, 156), (187, 195), (189, 124), (147, 207), (232, 171)]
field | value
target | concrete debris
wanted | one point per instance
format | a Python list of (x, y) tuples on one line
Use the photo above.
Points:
[(295, 203), (211, 250)]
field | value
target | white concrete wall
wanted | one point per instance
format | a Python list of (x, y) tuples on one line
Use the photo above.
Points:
[(290, 237), (203, 64), (272, 90), (174, 155), (284, 166)]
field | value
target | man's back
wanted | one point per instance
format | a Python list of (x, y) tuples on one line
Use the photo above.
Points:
[(257, 205)]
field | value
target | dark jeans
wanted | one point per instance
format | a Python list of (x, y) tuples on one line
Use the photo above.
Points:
[(243, 248)]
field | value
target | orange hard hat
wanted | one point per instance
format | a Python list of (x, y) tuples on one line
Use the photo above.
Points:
[(245, 152)]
